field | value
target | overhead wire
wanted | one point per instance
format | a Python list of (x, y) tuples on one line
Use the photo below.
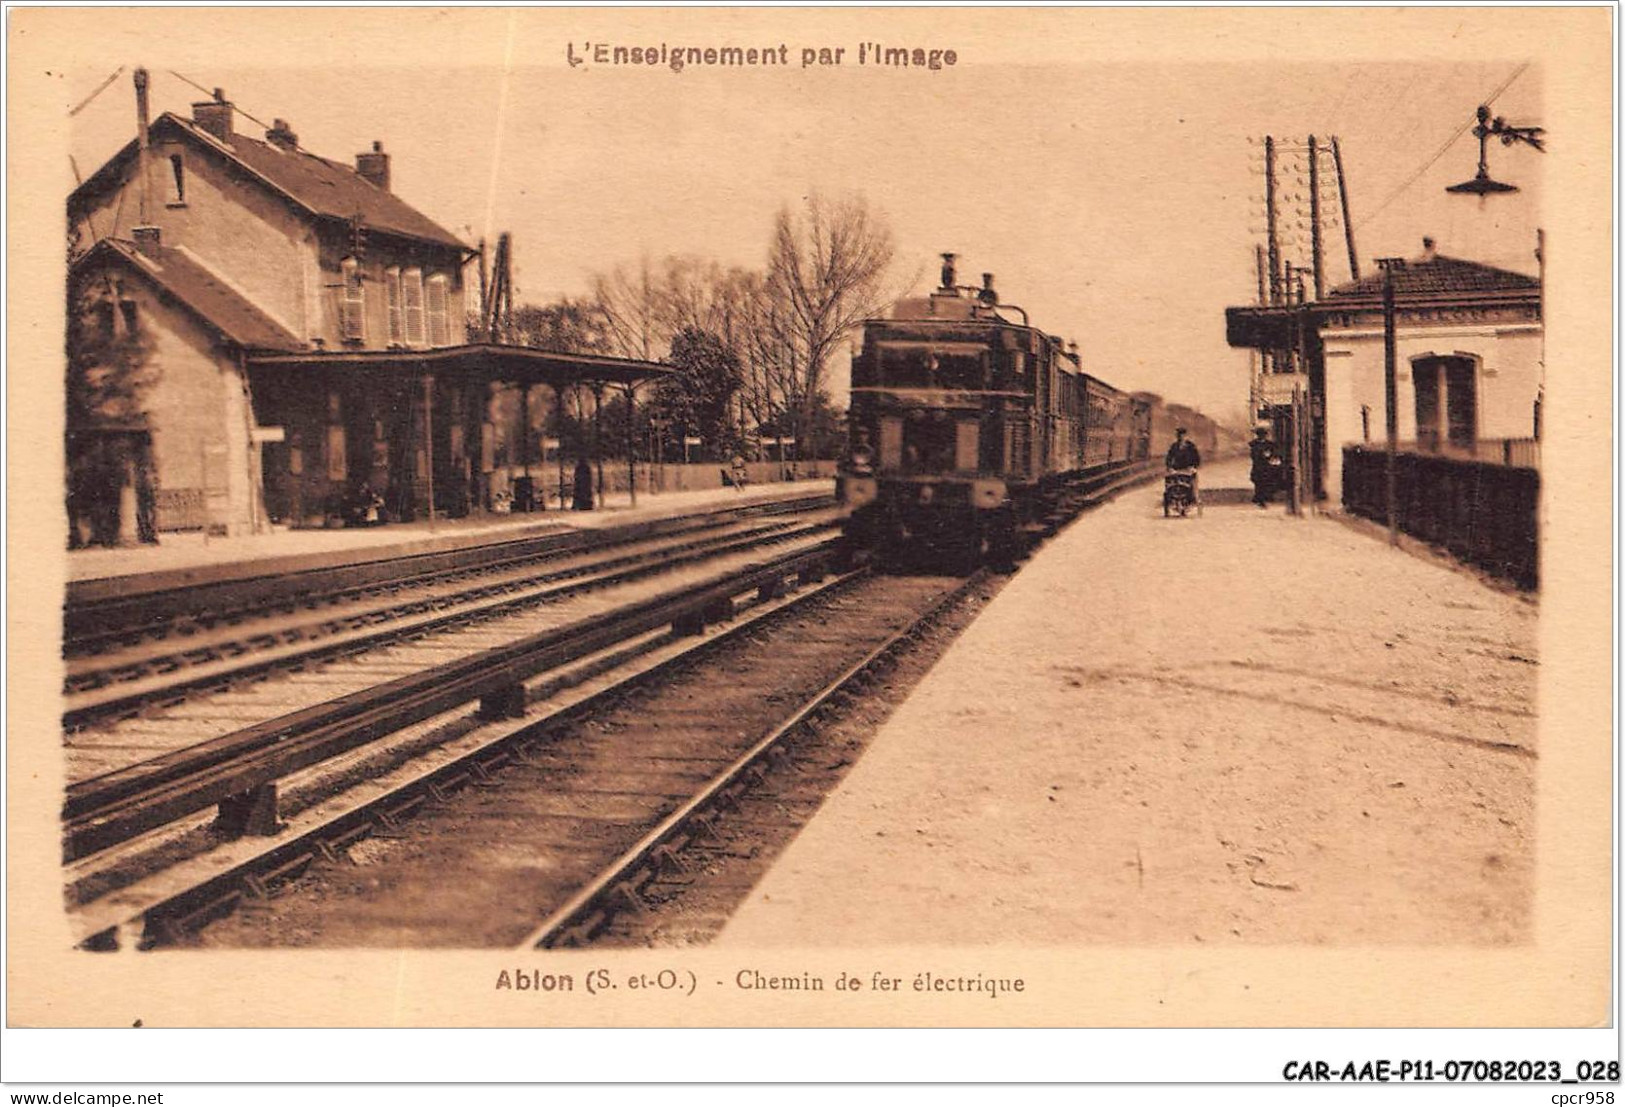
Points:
[(210, 93), (101, 88)]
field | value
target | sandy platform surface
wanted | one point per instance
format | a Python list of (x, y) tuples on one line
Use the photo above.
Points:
[(1239, 728)]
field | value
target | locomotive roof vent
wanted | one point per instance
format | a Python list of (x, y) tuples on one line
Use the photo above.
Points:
[(987, 295), (948, 272)]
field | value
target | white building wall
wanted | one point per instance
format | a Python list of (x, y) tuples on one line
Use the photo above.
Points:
[(198, 413), (1508, 381)]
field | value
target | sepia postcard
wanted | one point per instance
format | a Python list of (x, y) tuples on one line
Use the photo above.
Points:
[(781, 517)]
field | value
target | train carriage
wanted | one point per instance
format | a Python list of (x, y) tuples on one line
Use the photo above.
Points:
[(966, 423), (968, 426)]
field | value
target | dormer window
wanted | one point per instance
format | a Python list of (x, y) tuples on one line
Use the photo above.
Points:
[(116, 319), (412, 300), (394, 306), (439, 332), (177, 181), (352, 302)]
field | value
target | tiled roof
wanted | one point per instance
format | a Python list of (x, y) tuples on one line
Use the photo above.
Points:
[(322, 187), (204, 294), (334, 189), (1438, 275)]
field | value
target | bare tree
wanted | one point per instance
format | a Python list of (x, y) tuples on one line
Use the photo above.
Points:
[(630, 303), (695, 293), (826, 273)]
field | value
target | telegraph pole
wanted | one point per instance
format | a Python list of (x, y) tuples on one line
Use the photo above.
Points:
[(1315, 255), (1269, 212), (1390, 358), (1343, 198)]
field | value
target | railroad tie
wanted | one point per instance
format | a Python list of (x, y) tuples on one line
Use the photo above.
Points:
[(506, 702), (251, 813)]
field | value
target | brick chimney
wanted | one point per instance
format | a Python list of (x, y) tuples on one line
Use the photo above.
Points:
[(1428, 251), (147, 240), (214, 116), (281, 135), (374, 166)]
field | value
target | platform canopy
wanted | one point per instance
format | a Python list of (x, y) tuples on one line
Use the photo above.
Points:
[(485, 362)]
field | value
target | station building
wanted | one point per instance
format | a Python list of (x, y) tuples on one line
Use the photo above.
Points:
[(304, 335), (1468, 368)]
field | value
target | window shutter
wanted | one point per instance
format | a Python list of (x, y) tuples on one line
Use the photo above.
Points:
[(437, 311), (412, 296), (392, 296), (352, 302)]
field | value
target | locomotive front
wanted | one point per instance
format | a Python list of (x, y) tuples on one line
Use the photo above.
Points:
[(942, 424)]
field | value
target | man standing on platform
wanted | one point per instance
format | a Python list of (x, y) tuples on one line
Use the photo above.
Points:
[(1262, 451), (583, 489)]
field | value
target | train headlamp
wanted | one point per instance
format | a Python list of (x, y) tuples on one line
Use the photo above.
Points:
[(987, 493)]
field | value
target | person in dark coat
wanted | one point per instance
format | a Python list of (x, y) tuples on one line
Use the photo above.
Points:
[(583, 493), (1262, 451), (1183, 454)]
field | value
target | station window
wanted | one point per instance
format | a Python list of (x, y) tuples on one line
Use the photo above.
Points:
[(412, 305), (352, 301), (436, 300), (338, 463), (106, 325), (392, 301), (177, 183), (891, 442), (967, 445)]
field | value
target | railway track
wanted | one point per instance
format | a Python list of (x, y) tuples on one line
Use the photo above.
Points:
[(131, 683), (582, 816), (145, 847), (110, 614), (441, 666), (158, 849)]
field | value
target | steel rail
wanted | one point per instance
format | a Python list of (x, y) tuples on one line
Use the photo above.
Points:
[(589, 909), (164, 920), (105, 610), (110, 701), (112, 808), (84, 677)]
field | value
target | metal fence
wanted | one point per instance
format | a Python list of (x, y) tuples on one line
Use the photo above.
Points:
[(1483, 512)]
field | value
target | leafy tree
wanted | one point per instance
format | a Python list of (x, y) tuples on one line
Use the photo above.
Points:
[(109, 373), (566, 325), (697, 396)]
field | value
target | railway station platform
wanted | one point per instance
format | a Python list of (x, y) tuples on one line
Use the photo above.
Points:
[(289, 550), (1240, 728)]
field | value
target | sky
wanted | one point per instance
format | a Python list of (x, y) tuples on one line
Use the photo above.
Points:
[(1118, 201)]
